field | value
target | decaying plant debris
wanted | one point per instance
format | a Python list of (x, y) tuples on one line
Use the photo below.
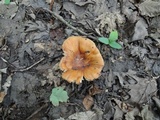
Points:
[(31, 37)]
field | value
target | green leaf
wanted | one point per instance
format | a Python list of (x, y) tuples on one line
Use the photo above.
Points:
[(58, 95), (103, 40), (54, 100), (115, 45), (113, 36), (6, 2)]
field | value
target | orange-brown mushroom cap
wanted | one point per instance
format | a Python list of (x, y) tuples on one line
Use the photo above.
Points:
[(81, 59)]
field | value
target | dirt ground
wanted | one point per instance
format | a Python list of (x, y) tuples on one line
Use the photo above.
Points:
[(31, 37)]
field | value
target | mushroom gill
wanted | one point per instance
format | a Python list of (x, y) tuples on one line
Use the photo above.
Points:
[(81, 59)]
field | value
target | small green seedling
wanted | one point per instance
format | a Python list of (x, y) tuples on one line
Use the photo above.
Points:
[(58, 95), (6, 2), (113, 36)]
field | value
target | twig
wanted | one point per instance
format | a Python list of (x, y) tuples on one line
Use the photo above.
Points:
[(8, 63), (37, 111), (25, 69), (69, 25)]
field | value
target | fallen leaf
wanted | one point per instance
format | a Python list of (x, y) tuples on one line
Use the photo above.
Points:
[(88, 115), (7, 84), (138, 51), (150, 8), (140, 89), (101, 6), (39, 47), (48, 1), (157, 102), (26, 47), (140, 30), (93, 90), (34, 4), (60, 118), (24, 82), (156, 36), (8, 11), (131, 114), (2, 95), (118, 115), (82, 3), (34, 26), (88, 102), (57, 33), (2, 41), (109, 19), (76, 12), (108, 111), (13, 29), (146, 114), (4, 70), (52, 78), (125, 107), (129, 12), (33, 16), (156, 68)]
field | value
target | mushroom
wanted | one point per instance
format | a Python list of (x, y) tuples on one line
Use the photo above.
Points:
[(81, 59)]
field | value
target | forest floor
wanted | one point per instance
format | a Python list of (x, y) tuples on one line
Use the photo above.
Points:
[(31, 37)]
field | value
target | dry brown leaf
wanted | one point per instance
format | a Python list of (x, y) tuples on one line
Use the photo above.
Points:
[(123, 106), (2, 95), (93, 90), (88, 102)]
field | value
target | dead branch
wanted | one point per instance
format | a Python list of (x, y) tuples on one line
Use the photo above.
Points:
[(25, 69), (69, 25), (37, 111)]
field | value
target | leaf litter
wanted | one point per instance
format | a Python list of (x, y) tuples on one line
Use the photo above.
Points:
[(150, 8), (127, 83), (140, 89)]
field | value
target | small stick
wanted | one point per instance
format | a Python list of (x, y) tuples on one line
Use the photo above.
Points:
[(25, 69), (4, 60), (69, 25), (37, 111)]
